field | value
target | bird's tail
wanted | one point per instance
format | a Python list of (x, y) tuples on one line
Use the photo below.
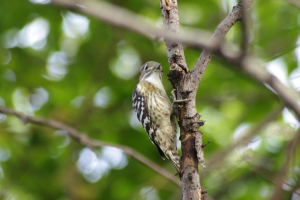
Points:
[(175, 158)]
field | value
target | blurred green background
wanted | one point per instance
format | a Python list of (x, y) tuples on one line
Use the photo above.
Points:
[(75, 69)]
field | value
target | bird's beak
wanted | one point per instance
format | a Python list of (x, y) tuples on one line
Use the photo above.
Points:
[(158, 66)]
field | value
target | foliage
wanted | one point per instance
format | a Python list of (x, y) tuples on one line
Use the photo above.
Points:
[(80, 71)]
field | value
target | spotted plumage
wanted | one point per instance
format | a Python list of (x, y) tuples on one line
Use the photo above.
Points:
[(154, 110)]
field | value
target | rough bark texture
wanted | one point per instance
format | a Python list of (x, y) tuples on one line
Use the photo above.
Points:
[(171, 22), (199, 149), (186, 84), (187, 116)]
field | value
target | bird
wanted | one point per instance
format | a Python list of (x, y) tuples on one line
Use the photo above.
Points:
[(154, 110)]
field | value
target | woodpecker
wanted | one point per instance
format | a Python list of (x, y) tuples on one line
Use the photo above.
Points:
[(154, 111)]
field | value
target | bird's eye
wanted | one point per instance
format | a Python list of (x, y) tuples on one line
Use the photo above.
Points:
[(146, 67)]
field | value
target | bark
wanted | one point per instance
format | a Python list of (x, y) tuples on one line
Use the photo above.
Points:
[(187, 116), (171, 23), (186, 84)]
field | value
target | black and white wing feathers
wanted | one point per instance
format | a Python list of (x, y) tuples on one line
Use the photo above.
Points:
[(139, 104)]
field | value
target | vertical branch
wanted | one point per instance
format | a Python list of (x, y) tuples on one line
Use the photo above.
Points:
[(187, 116), (186, 83), (171, 22)]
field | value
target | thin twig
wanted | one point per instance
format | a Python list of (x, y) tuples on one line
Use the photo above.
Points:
[(91, 143)]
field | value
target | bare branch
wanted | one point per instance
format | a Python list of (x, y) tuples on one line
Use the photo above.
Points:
[(179, 77), (123, 18), (86, 141), (218, 36), (244, 62)]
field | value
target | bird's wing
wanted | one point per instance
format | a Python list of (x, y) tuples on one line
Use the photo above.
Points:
[(139, 104)]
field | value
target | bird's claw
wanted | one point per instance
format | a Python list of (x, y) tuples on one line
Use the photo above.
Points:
[(177, 101)]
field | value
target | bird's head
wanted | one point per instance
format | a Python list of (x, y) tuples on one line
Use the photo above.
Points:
[(151, 68)]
